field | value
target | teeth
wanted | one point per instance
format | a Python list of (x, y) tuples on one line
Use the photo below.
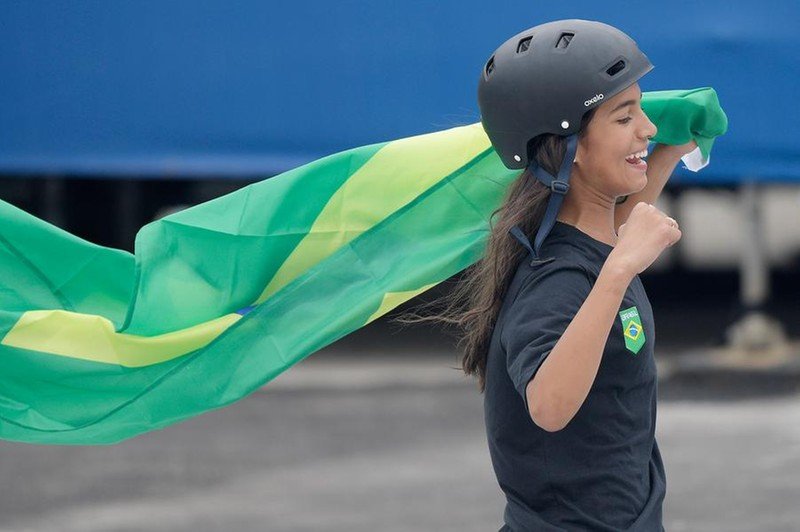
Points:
[(640, 154)]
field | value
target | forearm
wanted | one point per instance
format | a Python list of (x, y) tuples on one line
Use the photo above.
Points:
[(564, 379), (660, 164)]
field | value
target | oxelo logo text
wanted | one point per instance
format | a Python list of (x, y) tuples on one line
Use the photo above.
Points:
[(590, 101)]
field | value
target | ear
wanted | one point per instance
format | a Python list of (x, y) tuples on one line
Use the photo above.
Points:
[(581, 149)]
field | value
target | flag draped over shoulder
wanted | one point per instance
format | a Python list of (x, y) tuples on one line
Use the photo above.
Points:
[(99, 345)]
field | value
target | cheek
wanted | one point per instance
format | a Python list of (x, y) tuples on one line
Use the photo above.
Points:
[(604, 159), (609, 165)]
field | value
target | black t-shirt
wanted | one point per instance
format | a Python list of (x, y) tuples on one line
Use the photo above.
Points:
[(603, 471)]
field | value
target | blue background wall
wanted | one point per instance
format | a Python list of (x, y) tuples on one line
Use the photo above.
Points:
[(193, 88)]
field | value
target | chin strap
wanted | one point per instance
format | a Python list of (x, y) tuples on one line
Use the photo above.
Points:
[(559, 188)]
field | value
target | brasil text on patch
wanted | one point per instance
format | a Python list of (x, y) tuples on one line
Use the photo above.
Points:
[(632, 329)]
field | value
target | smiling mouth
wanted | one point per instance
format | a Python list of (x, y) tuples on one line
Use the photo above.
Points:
[(637, 160)]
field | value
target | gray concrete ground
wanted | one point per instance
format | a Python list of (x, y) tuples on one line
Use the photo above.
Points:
[(394, 444)]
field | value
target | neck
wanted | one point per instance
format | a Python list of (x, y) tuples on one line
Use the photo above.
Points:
[(590, 211)]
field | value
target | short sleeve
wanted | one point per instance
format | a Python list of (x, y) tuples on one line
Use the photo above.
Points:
[(543, 308)]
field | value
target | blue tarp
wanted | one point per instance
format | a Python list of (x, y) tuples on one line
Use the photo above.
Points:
[(250, 89)]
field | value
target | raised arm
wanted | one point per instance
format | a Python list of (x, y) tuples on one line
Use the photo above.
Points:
[(563, 379)]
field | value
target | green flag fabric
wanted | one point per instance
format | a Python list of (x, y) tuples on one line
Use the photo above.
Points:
[(99, 345)]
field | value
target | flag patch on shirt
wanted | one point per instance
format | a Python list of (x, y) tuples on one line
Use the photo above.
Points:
[(632, 329)]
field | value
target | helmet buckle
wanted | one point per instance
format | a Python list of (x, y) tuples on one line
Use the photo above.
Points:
[(559, 187)]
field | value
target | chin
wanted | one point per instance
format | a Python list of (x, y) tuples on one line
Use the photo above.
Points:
[(641, 182), (632, 189), (635, 180), (644, 183)]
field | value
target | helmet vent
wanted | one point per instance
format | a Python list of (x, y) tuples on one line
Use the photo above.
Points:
[(564, 40), (524, 44), (489, 66), (616, 67)]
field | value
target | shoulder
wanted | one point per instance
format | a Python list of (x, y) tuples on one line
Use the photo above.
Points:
[(551, 274), (545, 291)]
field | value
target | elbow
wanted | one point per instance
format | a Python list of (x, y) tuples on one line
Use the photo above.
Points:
[(547, 421), (545, 411)]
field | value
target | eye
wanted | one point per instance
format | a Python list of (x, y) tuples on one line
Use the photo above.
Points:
[(625, 120)]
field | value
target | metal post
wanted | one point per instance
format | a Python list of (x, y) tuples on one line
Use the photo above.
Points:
[(754, 269), (755, 330)]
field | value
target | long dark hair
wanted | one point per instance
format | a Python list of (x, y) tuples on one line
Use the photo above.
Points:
[(473, 305)]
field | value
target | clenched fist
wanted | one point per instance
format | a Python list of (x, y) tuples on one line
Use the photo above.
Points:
[(641, 239)]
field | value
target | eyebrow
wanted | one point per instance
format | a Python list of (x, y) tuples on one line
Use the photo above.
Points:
[(623, 104)]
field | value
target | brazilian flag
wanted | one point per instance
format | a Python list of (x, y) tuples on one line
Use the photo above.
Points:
[(98, 345)]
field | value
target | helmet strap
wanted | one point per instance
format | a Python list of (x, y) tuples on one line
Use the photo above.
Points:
[(559, 187)]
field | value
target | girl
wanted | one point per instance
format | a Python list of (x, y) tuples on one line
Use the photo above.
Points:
[(560, 333)]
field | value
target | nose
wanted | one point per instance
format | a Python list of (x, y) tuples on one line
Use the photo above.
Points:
[(649, 128)]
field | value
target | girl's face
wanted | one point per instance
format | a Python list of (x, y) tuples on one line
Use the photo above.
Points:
[(618, 129)]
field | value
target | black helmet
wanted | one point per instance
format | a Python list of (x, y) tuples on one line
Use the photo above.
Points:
[(545, 78)]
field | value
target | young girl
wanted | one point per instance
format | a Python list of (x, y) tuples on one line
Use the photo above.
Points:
[(560, 332), (569, 374)]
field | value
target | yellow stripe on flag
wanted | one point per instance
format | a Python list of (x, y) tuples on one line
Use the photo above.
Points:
[(395, 175), (91, 337)]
